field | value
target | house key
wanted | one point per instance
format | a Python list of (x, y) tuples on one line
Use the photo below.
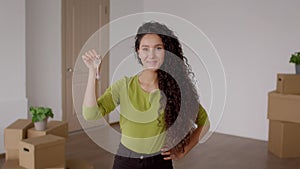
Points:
[(97, 63)]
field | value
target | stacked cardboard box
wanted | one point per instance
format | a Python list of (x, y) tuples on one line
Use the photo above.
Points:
[(58, 128), (27, 148), (284, 116), (44, 149), (288, 84), (41, 152), (14, 133)]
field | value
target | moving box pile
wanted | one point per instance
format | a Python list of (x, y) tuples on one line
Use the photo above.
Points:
[(284, 116), (27, 148)]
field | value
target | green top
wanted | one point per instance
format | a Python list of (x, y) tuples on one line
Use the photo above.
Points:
[(140, 122)]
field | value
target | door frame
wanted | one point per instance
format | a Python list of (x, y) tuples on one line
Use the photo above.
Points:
[(64, 52)]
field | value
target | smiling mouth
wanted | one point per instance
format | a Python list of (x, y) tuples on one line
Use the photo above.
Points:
[(152, 62)]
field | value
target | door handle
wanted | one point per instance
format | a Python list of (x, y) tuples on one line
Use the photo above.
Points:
[(70, 69)]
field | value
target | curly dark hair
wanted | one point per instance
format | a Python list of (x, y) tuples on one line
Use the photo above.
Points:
[(179, 96)]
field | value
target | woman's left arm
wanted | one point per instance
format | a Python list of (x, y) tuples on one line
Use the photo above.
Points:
[(195, 138)]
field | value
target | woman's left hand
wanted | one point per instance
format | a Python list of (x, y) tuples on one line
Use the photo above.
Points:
[(172, 155)]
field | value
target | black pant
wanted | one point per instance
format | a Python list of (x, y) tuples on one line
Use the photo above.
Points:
[(127, 159)]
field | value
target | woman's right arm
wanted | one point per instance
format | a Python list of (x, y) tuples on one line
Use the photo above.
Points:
[(90, 107), (90, 92)]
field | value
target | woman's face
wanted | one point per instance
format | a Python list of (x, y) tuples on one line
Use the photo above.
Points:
[(151, 51)]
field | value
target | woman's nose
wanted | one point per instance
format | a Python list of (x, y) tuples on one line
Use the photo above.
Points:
[(151, 53)]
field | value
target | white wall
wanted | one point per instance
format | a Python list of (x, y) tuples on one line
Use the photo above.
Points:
[(13, 101), (255, 40), (43, 54)]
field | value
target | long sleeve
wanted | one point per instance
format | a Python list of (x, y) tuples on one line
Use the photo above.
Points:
[(105, 104)]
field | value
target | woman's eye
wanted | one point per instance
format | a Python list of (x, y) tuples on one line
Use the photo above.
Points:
[(159, 48), (145, 49)]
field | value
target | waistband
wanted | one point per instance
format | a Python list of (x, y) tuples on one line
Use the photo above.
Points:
[(125, 152)]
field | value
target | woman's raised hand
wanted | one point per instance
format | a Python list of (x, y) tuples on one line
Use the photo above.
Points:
[(91, 59)]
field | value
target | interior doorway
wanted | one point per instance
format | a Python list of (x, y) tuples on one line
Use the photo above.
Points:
[(80, 20)]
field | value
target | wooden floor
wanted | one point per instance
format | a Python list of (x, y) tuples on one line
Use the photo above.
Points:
[(219, 152)]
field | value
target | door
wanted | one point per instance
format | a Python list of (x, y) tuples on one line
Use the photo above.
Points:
[(80, 20)]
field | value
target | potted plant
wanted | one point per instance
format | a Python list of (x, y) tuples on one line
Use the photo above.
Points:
[(295, 58), (40, 116)]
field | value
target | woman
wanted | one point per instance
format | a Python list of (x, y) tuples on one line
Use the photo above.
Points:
[(159, 106)]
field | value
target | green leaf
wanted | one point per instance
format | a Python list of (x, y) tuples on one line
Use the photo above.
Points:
[(295, 58), (40, 113)]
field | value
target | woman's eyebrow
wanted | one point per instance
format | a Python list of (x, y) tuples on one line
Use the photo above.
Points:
[(154, 45)]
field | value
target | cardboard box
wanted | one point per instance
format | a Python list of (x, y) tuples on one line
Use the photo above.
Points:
[(58, 128), (12, 154), (284, 107), (41, 152), (284, 139), (16, 132), (288, 83), (12, 164)]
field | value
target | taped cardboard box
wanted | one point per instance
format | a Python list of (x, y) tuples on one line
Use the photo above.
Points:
[(284, 139), (58, 128), (283, 107), (12, 154), (16, 132), (42, 152), (288, 83), (12, 164)]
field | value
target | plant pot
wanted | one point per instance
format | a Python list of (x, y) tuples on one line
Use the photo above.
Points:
[(298, 69), (41, 125)]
